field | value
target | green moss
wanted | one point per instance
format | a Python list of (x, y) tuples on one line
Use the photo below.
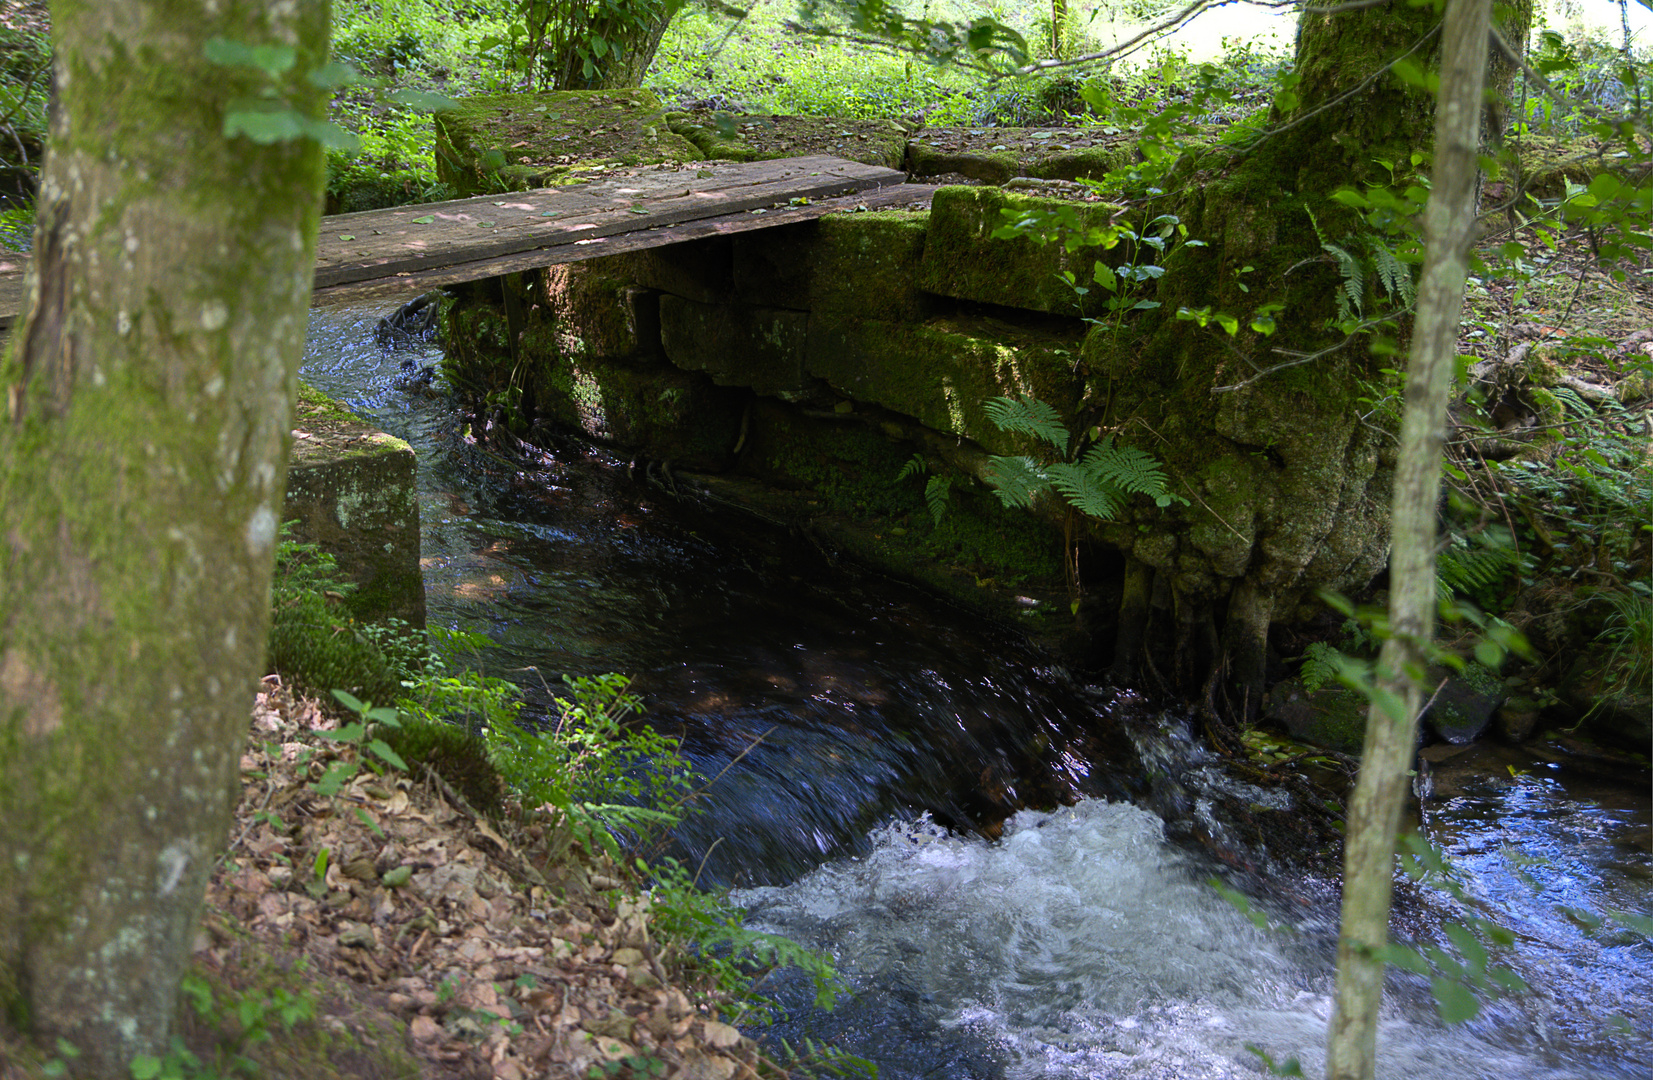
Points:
[(940, 372), (851, 470), (509, 142), (456, 755), (761, 137), (962, 260)]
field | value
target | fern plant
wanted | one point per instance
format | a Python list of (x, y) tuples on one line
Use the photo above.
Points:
[(1394, 277), (936, 488), (1096, 483)]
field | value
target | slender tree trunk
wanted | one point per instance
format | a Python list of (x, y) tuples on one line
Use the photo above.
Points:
[(142, 464), (1391, 726)]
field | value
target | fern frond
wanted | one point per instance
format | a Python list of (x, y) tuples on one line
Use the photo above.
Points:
[(1394, 276), (1478, 573), (1028, 416), (1127, 468), (1089, 493), (1319, 666), (935, 496), (1015, 480), (916, 466), (1351, 295)]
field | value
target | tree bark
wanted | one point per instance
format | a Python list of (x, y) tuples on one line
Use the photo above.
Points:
[(142, 465), (1391, 726)]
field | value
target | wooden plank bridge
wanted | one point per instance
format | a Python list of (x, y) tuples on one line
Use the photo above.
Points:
[(402, 251)]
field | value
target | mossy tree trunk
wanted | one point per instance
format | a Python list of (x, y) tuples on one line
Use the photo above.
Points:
[(1287, 482), (142, 462), (604, 46)]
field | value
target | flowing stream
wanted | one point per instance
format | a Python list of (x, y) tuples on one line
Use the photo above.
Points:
[(864, 728)]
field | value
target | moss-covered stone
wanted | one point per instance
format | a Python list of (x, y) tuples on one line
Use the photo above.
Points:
[(1332, 716), (962, 260), (737, 344), (941, 372), (997, 155), (351, 490), (757, 138), (863, 264), (990, 167), (596, 309), (512, 142)]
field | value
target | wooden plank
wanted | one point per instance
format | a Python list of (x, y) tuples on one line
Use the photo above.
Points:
[(417, 238), (552, 225), (405, 286)]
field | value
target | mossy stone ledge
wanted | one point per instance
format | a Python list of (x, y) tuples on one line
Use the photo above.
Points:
[(351, 490), (515, 142)]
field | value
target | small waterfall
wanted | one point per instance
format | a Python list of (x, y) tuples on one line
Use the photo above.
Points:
[(1082, 945)]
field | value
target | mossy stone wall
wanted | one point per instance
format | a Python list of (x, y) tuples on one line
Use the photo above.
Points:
[(891, 330)]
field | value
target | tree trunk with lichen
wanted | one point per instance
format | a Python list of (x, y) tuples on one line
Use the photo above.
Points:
[(142, 462), (1286, 475), (1392, 725)]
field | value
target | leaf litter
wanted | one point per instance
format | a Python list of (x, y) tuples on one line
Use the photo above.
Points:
[(500, 963)]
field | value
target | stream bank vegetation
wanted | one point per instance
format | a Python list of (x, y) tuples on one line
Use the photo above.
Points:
[(445, 887)]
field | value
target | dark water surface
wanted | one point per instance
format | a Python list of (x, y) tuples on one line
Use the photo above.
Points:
[(1081, 943)]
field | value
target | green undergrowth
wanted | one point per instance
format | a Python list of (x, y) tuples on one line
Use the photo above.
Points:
[(589, 779)]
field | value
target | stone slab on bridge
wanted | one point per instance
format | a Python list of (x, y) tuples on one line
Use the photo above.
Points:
[(396, 253)]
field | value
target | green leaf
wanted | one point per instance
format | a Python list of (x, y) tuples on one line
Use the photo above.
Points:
[(385, 715), (1088, 492), (350, 701), (270, 59), (935, 496), (367, 819), (146, 1067), (350, 732), (426, 220), (1403, 957), (1641, 924), (915, 466), (332, 76), (1469, 947), (398, 877), (383, 751), (1453, 1000)]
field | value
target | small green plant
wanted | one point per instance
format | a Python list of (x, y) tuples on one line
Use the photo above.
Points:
[(238, 1020), (316, 642), (1628, 636), (600, 776), (1095, 481)]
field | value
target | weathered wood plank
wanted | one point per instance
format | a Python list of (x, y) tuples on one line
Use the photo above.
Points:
[(405, 286), (552, 225), (412, 239)]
